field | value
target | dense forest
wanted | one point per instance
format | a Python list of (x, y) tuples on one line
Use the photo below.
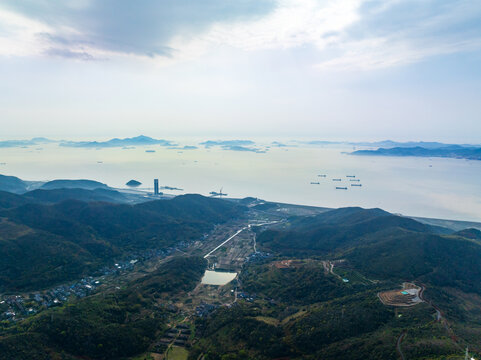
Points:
[(383, 246), (44, 244)]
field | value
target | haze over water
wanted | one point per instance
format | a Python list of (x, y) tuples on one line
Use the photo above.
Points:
[(448, 189)]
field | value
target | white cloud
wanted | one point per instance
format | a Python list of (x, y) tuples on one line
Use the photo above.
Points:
[(347, 34), (381, 53), (23, 36), (410, 38), (19, 35), (294, 23), (350, 35)]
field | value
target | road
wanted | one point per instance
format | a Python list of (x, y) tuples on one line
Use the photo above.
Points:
[(225, 242), (398, 345), (439, 314), (237, 233), (440, 318)]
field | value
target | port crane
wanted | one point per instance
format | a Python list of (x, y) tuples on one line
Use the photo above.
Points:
[(219, 194)]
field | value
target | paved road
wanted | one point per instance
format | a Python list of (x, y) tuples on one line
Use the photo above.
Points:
[(237, 233), (225, 242), (439, 314)]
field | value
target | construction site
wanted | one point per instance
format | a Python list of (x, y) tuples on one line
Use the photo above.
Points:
[(409, 295)]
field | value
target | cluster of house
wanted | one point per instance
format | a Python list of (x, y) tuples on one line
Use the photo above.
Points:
[(246, 296), (14, 307), (258, 256), (118, 266), (19, 306), (205, 309)]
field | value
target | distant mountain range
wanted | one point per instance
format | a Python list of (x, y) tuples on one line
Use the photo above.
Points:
[(134, 141), (233, 145), (452, 151), (393, 144), (21, 143)]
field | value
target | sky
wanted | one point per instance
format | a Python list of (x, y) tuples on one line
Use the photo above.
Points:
[(334, 70)]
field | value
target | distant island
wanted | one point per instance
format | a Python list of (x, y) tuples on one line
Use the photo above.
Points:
[(16, 185), (133, 183), (24, 143), (73, 184), (453, 151), (233, 145), (211, 143), (134, 141), (389, 144)]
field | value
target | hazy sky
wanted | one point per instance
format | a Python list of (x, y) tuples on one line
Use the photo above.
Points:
[(340, 69)]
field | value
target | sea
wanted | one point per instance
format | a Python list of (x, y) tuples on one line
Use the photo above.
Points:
[(412, 186)]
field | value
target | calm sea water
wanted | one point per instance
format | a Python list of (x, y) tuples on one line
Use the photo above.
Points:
[(440, 188)]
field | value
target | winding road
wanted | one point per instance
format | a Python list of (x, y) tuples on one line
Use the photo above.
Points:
[(398, 345)]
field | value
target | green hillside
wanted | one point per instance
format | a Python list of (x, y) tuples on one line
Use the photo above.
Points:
[(66, 240), (107, 326), (382, 246), (312, 292)]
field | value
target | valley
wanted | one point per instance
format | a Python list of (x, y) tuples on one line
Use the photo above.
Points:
[(290, 298)]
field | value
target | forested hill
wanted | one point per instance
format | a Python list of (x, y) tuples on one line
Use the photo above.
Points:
[(45, 244), (382, 246), (12, 184), (62, 194), (107, 325)]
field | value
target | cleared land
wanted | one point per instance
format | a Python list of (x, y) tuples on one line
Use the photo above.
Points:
[(407, 296)]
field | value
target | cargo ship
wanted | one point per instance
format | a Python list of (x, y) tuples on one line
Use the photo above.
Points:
[(341, 188)]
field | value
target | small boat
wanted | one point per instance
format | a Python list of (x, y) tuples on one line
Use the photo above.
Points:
[(354, 180), (315, 183), (341, 188), (356, 184), (322, 175), (351, 176), (336, 179)]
